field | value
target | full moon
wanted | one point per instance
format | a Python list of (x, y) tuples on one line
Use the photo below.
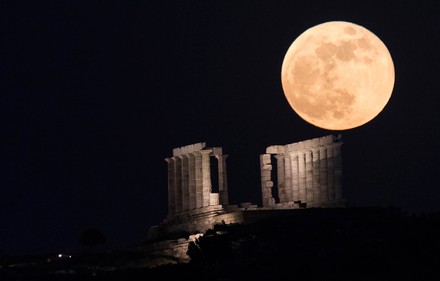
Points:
[(337, 75)]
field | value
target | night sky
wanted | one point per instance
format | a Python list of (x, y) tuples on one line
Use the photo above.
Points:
[(95, 94)]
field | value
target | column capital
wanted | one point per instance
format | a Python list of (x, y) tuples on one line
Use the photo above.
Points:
[(293, 153), (205, 151), (333, 144), (315, 149), (278, 156), (169, 159), (221, 156)]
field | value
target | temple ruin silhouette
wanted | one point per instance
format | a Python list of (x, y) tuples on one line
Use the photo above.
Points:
[(300, 175)]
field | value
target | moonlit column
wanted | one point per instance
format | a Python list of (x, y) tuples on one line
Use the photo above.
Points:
[(185, 183), (287, 178), (331, 174), (198, 179), (309, 176), (206, 178), (316, 177), (302, 177), (266, 180), (295, 176), (222, 179), (338, 172), (178, 182), (323, 174), (171, 187), (281, 178), (191, 181)]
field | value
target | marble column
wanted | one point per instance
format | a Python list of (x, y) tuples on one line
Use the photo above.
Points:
[(191, 181), (302, 177), (266, 180), (338, 172), (185, 182), (178, 182), (171, 187), (331, 174), (206, 177), (198, 179), (323, 174), (222, 179), (287, 178), (309, 176), (295, 176), (316, 178), (281, 178)]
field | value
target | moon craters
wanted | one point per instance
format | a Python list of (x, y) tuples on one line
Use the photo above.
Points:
[(337, 75)]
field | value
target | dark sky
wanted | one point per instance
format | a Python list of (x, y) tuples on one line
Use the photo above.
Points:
[(95, 94)]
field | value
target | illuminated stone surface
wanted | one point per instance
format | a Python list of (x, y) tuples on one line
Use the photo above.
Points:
[(309, 173)]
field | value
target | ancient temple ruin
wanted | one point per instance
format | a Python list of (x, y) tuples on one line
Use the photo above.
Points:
[(189, 178), (309, 173), (300, 175), (197, 193)]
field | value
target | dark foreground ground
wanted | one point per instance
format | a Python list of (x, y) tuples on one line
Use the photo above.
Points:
[(347, 244)]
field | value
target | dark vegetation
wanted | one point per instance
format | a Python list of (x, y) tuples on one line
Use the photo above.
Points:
[(345, 244)]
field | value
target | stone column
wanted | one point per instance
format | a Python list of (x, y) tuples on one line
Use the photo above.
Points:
[(295, 176), (198, 179), (206, 178), (178, 183), (302, 177), (171, 187), (323, 175), (191, 181), (185, 182), (222, 179), (338, 172), (287, 178), (309, 176), (331, 174), (316, 178), (281, 177), (266, 180)]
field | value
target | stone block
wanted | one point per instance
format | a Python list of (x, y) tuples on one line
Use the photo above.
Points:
[(275, 149), (188, 148), (265, 159), (213, 199), (267, 167)]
